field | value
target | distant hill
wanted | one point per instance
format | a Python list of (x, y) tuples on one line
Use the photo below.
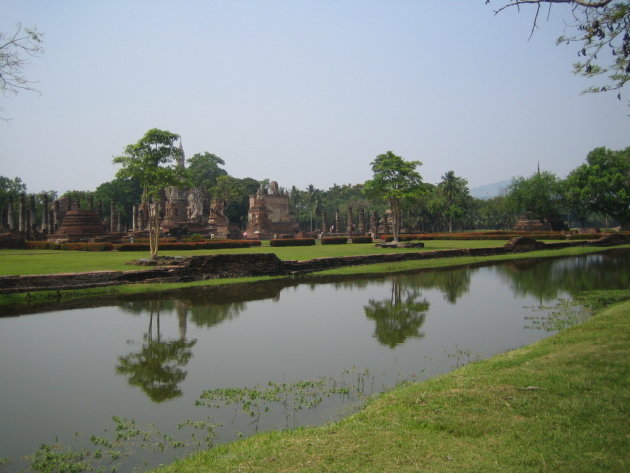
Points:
[(489, 191)]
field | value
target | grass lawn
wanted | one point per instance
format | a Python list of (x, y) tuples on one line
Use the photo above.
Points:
[(559, 405), (22, 262)]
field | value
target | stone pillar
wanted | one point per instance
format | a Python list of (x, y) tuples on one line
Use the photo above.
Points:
[(337, 221), (55, 221), (31, 220), (324, 222), (134, 218), (45, 223), (91, 201), (349, 223), (118, 222), (362, 221), (373, 223), (22, 216), (113, 224), (10, 222), (3, 220)]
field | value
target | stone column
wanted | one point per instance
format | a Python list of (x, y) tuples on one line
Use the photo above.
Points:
[(373, 223), (337, 221), (22, 216), (55, 220), (324, 222), (45, 222), (113, 224), (134, 218), (10, 222), (362, 221), (32, 225), (91, 201), (349, 223)]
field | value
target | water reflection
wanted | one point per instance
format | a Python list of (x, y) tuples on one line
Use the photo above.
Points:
[(157, 368), (400, 316), (547, 279)]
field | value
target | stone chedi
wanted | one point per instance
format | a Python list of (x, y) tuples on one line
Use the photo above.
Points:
[(269, 214)]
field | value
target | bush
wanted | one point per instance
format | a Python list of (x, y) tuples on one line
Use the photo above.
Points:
[(334, 240), (292, 242), (42, 245), (362, 239), (76, 246), (200, 245), (86, 246)]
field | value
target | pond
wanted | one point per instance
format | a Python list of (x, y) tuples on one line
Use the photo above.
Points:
[(130, 372)]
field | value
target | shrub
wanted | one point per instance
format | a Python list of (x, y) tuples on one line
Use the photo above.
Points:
[(79, 246), (41, 245), (292, 242), (362, 239), (200, 245), (334, 240)]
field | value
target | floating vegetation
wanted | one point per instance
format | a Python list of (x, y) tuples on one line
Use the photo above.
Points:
[(101, 453), (290, 397), (565, 313)]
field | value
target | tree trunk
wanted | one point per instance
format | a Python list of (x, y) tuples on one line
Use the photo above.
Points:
[(395, 208), (154, 228)]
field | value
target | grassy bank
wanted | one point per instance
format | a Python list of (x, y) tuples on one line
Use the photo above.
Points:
[(23, 262), (27, 261), (559, 405)]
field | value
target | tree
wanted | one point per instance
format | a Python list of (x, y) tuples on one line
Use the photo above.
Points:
[(540, 195), (603, 37), (14, 49), (454, 192), (203, 171), (228, 189), (394, 180), (153, 162), (602, 184)]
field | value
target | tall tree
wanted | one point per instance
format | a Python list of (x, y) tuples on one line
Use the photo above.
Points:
[(14, 50), (394, 180), (602, 32), (602, 184), (153, 162), (204, 170), (230, 190), (454, 192), (539, 195)]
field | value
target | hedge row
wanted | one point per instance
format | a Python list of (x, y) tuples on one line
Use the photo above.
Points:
[(496, 236), (78, 246), (292, 242), (362, 239), (201, 245), (334, 240)]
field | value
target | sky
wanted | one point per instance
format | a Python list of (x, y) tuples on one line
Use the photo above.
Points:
[(302, 91)]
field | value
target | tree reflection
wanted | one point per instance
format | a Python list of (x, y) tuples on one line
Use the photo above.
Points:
[(401, 316), (548, 278), (157, 367)]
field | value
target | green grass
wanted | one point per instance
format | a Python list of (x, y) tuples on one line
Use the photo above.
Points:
[(28, 262), (23, 262), (559, 405)]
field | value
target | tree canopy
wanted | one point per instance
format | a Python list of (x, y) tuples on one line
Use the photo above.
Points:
[(15, 48), (153, 162), (601, 31), (394, 180), (602, 184)]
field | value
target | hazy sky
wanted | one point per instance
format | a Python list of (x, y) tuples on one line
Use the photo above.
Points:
[(301, 91)]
